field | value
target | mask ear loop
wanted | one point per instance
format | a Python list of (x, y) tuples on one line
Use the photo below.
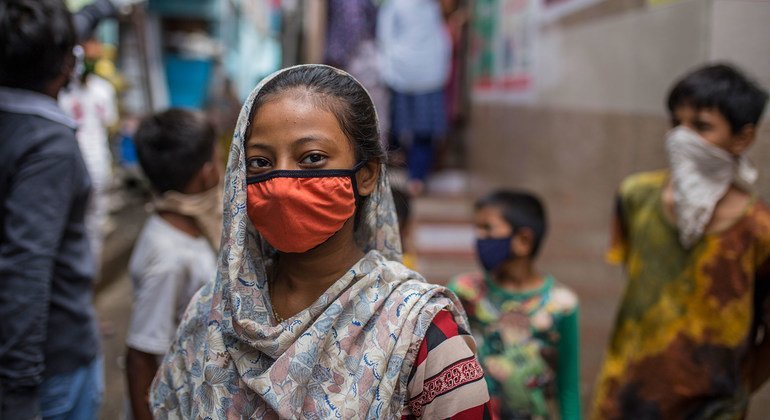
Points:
[(354, 182), (358, 198)]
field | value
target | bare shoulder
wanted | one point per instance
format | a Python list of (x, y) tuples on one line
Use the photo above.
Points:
[(643, 182)]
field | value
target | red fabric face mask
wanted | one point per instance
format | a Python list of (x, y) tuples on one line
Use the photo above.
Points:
[(297, 210)]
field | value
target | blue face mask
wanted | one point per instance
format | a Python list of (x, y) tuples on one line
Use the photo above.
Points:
[(493, 252)]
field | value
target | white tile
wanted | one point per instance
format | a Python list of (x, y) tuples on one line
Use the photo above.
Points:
[(444, 238)]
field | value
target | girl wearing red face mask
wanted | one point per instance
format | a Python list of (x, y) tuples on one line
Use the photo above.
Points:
[(312, 313)]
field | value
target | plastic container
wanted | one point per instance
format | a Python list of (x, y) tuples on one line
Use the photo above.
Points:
[(188, 80)]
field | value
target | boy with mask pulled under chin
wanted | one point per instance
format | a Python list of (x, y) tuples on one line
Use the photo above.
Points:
[(176, 251), (525, 323), (690, 338)]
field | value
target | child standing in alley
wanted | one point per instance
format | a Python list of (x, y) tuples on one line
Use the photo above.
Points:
[(690, 336), (525, 323), (175, 253)]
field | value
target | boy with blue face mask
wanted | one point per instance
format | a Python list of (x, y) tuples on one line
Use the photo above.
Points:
[(525, 323)]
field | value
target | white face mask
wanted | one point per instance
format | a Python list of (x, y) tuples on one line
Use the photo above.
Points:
[(701, 174), (204, 207)]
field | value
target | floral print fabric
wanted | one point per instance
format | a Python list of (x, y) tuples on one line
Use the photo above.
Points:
[(348, 355), (528, 346)]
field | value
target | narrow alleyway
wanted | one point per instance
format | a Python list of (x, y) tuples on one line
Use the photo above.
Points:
[(444, 240)]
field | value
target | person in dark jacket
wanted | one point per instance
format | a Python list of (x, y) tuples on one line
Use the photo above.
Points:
[(49, 348)]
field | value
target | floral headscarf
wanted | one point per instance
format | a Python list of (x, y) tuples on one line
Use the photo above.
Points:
[(348, 355)]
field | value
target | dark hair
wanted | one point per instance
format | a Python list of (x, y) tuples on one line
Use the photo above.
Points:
[(173, 146), (520, 210), (339, 93), (401, 202), (36, 39), (720, 86)]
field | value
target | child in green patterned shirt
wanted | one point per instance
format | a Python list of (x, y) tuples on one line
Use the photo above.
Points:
[(525, 323)]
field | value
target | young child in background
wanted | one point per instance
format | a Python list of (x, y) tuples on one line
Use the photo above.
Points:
[(404, 212), (525, 323), (175, 253), (91, 102)]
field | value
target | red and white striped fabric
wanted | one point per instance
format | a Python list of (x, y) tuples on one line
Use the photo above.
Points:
[(447, 381)]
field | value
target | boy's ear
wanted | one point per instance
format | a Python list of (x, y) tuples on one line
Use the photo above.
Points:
[(523, 242), (207, 177), (211, 174), (743, 139), (367, 177)]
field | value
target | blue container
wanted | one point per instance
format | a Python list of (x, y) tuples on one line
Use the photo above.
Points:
[(188, 81), (127, 151)]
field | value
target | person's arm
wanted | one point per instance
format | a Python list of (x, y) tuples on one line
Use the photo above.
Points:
[(568, 370), (35, 216), (465, 288), (88, 18), (447, 352), (158, 290), (761, 365), (618, 249), (760, 352), (172, 386), (140, 371)]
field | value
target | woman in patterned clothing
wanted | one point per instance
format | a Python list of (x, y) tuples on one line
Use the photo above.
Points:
[(312, 315)]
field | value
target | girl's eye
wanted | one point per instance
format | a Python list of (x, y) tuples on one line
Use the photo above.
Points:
[(259, 163), (313, 159)]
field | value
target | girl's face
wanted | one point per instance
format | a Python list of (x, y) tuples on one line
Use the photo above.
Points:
[(290, 132)]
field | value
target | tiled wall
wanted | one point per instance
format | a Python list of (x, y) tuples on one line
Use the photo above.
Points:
[(598, 115)]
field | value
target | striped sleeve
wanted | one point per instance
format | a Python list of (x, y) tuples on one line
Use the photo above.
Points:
[(447, 381)]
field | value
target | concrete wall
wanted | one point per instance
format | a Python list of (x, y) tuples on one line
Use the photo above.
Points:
[(598, 115)]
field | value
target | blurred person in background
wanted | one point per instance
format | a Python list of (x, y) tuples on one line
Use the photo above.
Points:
[(91, 101), (415, 49), (525, 323), (49, 348), (312, 314), (690, 339), (350, 46), (456, 16), (175, 253)]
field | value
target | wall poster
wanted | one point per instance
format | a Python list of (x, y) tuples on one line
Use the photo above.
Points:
[(555, 9), (503, 48)]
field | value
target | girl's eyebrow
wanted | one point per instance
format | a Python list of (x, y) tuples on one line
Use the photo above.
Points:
[(298, 143), (260, 146), (314, 141), (310, 139)]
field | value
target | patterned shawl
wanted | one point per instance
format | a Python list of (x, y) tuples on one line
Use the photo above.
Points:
[(348, 355)]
